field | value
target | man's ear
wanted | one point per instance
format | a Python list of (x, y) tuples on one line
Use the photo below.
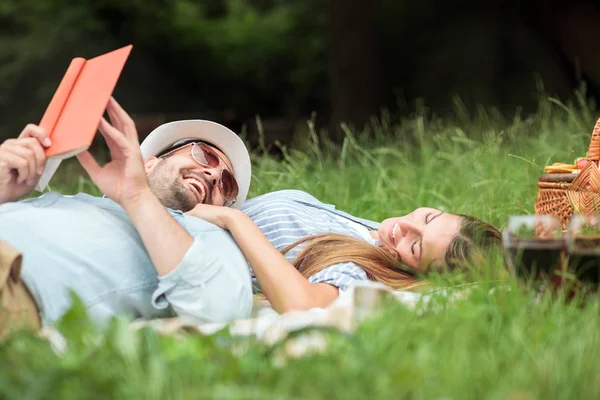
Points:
[(150, 163)]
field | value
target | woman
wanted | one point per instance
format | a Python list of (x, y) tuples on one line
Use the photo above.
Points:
[(325, 250)]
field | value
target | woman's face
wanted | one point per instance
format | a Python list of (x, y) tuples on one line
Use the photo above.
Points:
[(420, 239)]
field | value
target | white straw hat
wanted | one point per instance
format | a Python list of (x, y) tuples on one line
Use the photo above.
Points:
[(221, 137)]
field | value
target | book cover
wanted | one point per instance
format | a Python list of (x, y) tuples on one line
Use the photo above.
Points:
[(74, 113)]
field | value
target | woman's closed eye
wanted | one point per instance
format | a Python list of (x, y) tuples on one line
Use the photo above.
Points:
[(427, 217), (420, 240)]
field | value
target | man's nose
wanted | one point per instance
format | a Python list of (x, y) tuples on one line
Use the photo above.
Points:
[(211, 173), (409, 226)]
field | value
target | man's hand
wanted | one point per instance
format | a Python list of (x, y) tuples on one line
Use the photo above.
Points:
[(22, 161), (123, 179)]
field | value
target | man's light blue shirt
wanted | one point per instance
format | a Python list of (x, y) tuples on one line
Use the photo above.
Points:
[(88, 245)]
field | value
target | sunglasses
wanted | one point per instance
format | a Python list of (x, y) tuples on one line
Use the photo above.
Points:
[(206, 156)]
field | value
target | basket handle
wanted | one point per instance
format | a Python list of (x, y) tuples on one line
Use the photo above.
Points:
[(594, 148)]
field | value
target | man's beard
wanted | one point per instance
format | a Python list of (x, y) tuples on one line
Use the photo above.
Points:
[(166, 185)]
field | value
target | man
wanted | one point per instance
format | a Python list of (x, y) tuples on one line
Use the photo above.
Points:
[(125, 253)]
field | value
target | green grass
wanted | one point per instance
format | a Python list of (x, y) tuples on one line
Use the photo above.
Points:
[(501, 342)]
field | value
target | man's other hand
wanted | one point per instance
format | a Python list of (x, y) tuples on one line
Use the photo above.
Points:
[(123, 179), (22, 161)]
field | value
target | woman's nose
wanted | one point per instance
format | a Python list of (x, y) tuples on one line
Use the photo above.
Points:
[(409, 226)]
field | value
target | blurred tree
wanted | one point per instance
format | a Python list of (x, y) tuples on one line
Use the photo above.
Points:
[(227, 59), (486, 53), (230, 60), (576, 31), (34, 33), (354, 76)]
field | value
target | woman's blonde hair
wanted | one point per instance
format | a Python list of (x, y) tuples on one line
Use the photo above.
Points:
[(326, 249)]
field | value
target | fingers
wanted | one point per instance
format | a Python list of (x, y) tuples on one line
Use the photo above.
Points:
[(89, 164), (104, 127), (37, 132), (113, 115), (26, 156), (36, 138), (27, 171), (121, 120), (116, 141), (39, 157), (18, 164)]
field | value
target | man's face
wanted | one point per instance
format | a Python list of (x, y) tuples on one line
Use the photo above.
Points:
[(180, 182)]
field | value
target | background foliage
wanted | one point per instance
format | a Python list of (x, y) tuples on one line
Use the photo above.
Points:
[(231, 60)]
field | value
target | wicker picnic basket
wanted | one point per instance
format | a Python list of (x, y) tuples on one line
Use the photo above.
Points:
[(566, 194)]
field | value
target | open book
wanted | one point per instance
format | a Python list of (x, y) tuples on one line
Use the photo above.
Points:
[(74, 113)]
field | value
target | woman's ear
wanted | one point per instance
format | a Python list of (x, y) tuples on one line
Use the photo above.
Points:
[(150, 163)]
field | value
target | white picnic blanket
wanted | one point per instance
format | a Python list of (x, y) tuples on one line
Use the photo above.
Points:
[(345, 313), (352, 306)]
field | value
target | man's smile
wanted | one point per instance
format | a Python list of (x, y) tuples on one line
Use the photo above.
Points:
[(198, 187)]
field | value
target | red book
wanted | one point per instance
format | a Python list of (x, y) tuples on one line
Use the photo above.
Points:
[(74, 113)]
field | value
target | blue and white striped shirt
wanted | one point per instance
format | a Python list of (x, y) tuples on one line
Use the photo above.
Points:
[(289, 215)]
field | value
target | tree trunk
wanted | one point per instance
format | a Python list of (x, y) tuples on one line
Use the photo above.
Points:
[(577, 32), (354, 76)]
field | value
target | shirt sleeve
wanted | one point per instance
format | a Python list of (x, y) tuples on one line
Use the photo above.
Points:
[(340, 275), (211, 283)]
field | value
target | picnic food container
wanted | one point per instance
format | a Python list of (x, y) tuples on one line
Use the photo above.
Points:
[(566, 193), (533, 245)]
